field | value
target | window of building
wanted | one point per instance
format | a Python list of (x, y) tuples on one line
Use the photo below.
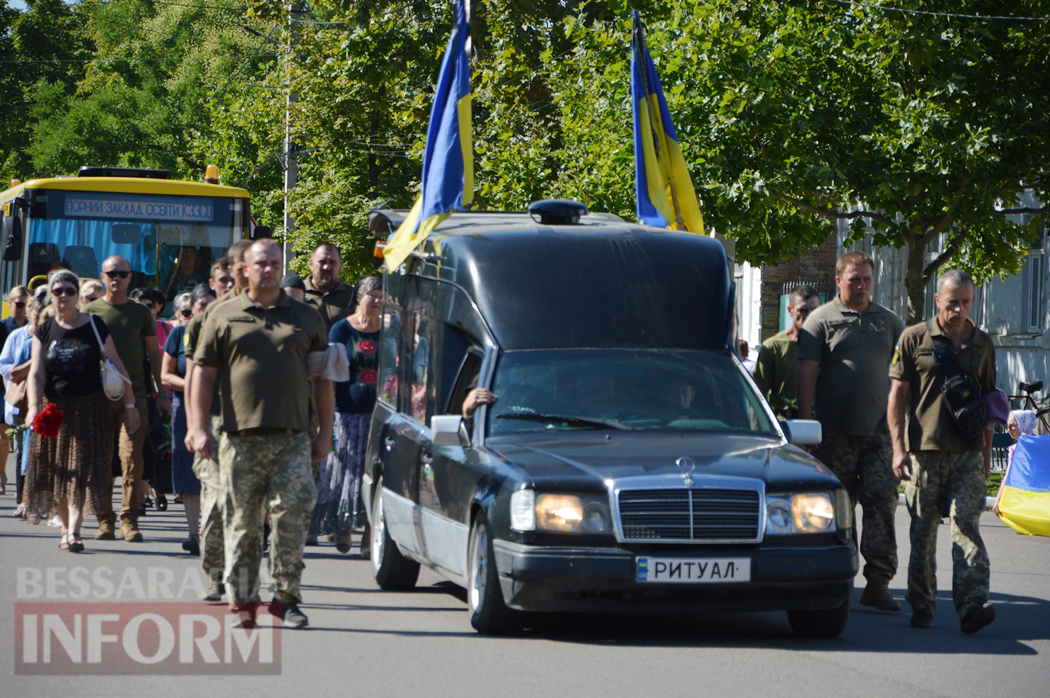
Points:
[(1033, 285)]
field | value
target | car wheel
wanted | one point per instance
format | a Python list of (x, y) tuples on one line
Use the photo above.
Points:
[(826, 623), (489, 615), (393, 571)]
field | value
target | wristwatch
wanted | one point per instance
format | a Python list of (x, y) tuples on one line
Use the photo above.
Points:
[(132, 406)]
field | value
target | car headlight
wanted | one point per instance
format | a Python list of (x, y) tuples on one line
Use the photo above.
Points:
[(809, 512), (560, 513)]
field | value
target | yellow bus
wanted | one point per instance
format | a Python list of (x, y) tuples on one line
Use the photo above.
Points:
[(170, 231)]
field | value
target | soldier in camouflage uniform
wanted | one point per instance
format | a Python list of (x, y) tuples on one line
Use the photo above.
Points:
[(227, 281), (260, 347), (939, 461), (844, 349)]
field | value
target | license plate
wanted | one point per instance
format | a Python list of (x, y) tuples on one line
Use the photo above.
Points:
[(702, 571)]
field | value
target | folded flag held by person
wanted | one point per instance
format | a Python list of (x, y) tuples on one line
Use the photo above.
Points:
[(1024, 503)]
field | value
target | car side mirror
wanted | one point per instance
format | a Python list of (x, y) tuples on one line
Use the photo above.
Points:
[(445, 428), (803, 432)]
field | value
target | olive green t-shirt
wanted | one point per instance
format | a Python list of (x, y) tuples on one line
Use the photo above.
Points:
[(261, 357), (190, 339), (334, 305), (930, 426), (129, 324), (776, 373), (854, 350)]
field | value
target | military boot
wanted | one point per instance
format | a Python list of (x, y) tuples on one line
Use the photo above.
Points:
[(106, 525), (129, 531), (877, 595)]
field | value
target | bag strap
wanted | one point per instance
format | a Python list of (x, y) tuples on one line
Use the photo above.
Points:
[(101, 346), (947, 362), (105, 356)]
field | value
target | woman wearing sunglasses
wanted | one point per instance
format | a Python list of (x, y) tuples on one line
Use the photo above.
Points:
[(70, 471)]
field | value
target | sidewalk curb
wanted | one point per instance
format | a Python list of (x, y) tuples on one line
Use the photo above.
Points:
[(988, 502)]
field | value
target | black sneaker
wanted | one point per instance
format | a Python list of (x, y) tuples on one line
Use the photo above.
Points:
[(292, 617), (192, 546), (976, 617)]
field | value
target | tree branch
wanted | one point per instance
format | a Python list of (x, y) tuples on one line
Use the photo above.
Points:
[(953, 246), (837, 215)]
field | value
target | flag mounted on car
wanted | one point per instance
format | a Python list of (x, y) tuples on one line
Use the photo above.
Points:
[(448, 157), (666, 198), (1024, 503)]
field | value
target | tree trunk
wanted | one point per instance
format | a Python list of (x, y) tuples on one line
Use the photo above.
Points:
[(914, 282)]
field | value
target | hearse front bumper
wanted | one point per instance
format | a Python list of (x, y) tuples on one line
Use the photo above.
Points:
[(564, 578)]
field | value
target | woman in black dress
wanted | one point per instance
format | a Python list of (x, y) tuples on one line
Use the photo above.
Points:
[(69, 471)]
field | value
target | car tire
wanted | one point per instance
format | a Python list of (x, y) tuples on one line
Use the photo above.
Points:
[(825, 623), (489, 614), (393, 571)]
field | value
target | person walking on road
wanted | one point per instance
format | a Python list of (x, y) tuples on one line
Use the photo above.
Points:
[(259, 347), (134, 334), (776, 365), (332, 298), (844, 350), (340, 479), (70, 470), (945, 455)]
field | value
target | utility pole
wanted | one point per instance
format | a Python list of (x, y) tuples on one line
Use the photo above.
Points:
[(291, 149)]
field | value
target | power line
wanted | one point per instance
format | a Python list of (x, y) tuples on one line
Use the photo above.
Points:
[(952, 15)]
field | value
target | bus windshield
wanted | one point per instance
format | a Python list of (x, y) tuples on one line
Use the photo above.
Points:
[(170, 241)]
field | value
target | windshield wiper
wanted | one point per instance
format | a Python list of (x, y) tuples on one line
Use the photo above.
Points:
[(579, 421)]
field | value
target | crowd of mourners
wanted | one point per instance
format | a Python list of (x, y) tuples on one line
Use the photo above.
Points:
[(99, 386)]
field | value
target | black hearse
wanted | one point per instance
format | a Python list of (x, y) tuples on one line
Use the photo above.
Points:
[(629, 463)]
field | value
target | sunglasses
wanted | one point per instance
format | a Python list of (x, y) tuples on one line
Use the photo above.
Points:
[(185, 313), (122, 273), (63, 291), (18, 304)]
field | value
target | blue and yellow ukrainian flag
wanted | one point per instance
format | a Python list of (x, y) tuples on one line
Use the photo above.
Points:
[(666, 198), (448, 157), (1024, 504)]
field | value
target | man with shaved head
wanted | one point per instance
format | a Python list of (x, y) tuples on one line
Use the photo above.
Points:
[(134, 333)]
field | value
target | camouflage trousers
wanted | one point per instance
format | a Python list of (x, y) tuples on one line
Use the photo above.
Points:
[(863, 465), (213, 504), (260, 474), (960, 478)]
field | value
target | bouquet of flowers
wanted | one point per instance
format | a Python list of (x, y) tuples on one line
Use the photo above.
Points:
[(48, 421)]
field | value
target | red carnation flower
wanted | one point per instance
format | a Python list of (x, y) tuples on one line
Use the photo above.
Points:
[(366, 346), (367, 376), (48, 421)]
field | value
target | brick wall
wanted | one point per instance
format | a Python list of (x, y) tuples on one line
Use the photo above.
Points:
[(817, 268)]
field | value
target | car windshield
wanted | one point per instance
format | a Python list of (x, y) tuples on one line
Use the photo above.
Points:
[(566, 389)]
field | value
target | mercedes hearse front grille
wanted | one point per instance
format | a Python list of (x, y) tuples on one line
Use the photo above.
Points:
[(684, 515)]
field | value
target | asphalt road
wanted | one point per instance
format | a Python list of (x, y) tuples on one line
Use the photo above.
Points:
[(365, 642)]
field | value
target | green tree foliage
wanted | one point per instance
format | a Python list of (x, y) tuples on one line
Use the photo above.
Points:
[(922, 126), (792, 114), (43, 48)]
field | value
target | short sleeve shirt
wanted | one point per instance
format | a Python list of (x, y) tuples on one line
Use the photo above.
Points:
[(129, 323), (776, 373), (853, 350), (334, 305), (175, 347), (72, 358), (260, 354), (191, 337), (930, 426), (357, 395)]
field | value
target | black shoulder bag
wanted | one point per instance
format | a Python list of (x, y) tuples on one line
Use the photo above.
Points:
[(962, 393)]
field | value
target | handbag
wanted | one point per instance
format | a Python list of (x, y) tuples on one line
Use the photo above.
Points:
[(961, 391), (17, 394), (112, 380)]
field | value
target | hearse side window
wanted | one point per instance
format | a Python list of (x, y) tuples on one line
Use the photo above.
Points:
[(388, 357), (419, 393), (466, 381), (453, 353)]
